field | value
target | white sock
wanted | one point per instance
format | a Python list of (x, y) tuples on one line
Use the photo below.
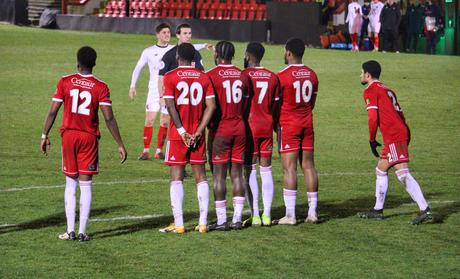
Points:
[(381, 188), (412, 187), (254, 190), (176, 191), (202, 190), (238, 205), (85, 204), (158, 150), (147, 150), (289, 202), (70, 202), (221, 212), (312, 203), (267, 188)]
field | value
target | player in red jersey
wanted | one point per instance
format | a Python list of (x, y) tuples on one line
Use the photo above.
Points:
[(385, 113), (189, 98), (262, 122), (82, 95), (299, 88), (227, 134)]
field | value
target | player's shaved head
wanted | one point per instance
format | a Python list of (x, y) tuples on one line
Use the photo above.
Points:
[(186, 52), (256, 49), (86, 57), (162, 26), (373, 68), (225, 50), (296, 46)]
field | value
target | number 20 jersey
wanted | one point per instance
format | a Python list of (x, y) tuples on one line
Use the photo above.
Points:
[(188, 87), (298, 90), (82, 95)]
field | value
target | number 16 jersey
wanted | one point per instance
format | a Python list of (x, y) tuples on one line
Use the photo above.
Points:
[(82, 95)]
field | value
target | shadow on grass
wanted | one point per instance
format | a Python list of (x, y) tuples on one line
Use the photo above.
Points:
[(54, 220)]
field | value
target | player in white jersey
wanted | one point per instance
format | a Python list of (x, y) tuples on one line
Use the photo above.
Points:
[(374, 22), (354, 19), (153, 57)]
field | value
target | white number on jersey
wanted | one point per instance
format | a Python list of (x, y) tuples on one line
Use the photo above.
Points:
[(82, 108), (395, 102), (233, 91), (195, 90), (303, 91), (263, 85)]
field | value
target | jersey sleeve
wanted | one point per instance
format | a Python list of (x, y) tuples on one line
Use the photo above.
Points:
[(168, 88), (371, 100), (104, 96), (165, 64), (209, 88), (58, 95), (276, 93)]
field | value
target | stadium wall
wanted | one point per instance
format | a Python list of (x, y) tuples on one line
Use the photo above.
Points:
[(14, 11), (203, 29)]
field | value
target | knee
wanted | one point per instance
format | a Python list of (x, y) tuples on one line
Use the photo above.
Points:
[(403, 175), (380, 173)]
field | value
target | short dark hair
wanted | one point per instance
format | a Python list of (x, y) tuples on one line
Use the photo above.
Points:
[(225, 50), (183, 25), (86, 57), (256, 49), (296, 46), (373, 68), (162, 26), (186, 52)]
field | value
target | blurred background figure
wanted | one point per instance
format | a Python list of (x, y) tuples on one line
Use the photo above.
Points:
[(374, 22), (432, 24), (354, 21), (365, 9), (414, 25), (390, 19)]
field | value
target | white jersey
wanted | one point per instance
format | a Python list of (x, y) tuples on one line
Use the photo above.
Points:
[(153, 56), (376, 9)]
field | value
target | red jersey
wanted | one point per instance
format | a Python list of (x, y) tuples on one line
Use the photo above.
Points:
[(264, 92), (298, 90), (390, 116), (231, 89), (189, 87), (82, 95)]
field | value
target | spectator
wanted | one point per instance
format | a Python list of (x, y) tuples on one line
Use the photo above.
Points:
[(432, 23), (414, 25), (354, 23), (365, 9), (390, 19)]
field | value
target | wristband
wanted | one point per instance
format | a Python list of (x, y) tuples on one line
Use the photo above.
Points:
[(44, 136), (181, 131)]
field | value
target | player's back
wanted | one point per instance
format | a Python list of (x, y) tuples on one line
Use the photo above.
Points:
[(82, 95), (298, 91), (231, 89), (189, 87), (391, 118), (376, 9), (264, 91)]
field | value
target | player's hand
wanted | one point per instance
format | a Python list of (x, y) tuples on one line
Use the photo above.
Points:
[(162, 102), (196, 138), (132, 93), (45, 146), (209, 47), (123, 154), (374, 145), (186, 138)]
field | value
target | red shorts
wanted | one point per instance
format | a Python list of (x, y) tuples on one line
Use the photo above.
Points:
[(79, 153), (292, 139), (263, 147), (226, 147), (395, 153), (178, 154)]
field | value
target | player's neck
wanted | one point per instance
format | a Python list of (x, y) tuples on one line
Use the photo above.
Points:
[(254, 65), (85, 72), (162, 44)]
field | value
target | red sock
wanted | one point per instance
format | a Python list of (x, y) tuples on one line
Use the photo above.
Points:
[(147, 136), (162, 132), (354, 39), (376, 41)]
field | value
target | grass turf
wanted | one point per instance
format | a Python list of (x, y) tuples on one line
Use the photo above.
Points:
[(342, 246)]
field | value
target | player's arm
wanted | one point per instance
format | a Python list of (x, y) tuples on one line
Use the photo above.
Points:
[(171, 107), (203, 46), (135, 76), (112, 125), (276, 106), (49, 121), (207, 115), (372, 123)]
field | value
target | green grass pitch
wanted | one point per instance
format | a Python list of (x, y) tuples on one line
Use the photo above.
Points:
[(342, 246)]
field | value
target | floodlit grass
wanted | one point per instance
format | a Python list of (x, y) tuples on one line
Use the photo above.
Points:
[(342, 246)]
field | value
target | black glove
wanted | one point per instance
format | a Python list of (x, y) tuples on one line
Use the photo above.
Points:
[(374, 145)]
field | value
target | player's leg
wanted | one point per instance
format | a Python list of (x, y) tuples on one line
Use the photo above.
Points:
[(311, 184), (177, 196), (86, 182), (415, 192), (220, 192), (289, 164), (151, 109), (198, 161), (162, 134), (252, 189), (236, 174), (266, 177)]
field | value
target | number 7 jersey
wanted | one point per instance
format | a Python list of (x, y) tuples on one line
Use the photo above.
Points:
[(82, 95), (298, 90)]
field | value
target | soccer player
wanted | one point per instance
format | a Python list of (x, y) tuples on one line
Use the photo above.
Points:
[(82, 95), (374, 22), (153, 57), (298, 91), (189, 97), (227, 134), (385, 113), (262, 122), (354, 20)]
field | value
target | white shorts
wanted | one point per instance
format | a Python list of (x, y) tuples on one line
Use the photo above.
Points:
[(374, 26), (153, 102)]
